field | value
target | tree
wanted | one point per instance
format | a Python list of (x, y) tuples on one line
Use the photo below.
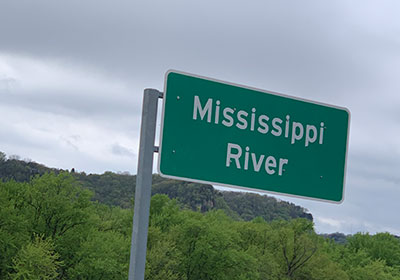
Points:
[(14, 157), (209, 246), (116, 219), (56, 204), (322, 266), (37, 260), (57, 207), (163, 212), (14, 226), (374, 270), (257, 238), (381, 246), (3, 157), (297, 245), (163, 257), (103, 255)]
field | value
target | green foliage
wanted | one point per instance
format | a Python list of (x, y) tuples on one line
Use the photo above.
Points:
[(110, 188), (297, 244), (163, 212), (50, 228), (21, 171), (56, 204), (36, 260), (373, 270), (3, 157), (246, 206), (118, 190), (337, 237), (321, 266), (163, 257), (77, 236), (258, 239), (113, 218), (250, 205), (197, 197), (14, 226), (104, 255), (382, 246), (210, 248)]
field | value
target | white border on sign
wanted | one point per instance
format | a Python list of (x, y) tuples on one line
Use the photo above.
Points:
[(258, 90)]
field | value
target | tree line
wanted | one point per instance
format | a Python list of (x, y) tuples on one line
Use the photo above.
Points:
[(51, 228), (118, 190)]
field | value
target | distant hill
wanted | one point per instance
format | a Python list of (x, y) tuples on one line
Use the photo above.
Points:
[(21, 170), (118, 190), (337, 237)]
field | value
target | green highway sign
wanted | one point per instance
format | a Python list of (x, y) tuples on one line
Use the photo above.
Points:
[(225, 134)]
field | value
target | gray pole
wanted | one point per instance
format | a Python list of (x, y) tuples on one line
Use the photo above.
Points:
[(143, 185)]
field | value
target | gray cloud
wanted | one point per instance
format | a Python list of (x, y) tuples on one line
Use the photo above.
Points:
[(120, 150), (7, 84)]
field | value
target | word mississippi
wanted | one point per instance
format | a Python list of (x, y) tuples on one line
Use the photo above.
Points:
[(262, 123)]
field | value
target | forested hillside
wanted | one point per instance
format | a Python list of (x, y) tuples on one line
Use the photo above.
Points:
[(118, 190), (51, 228)]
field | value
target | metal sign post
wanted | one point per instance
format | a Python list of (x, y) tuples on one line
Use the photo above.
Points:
[(143, 185)]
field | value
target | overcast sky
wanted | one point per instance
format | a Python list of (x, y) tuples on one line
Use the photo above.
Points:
[(72, 75)]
